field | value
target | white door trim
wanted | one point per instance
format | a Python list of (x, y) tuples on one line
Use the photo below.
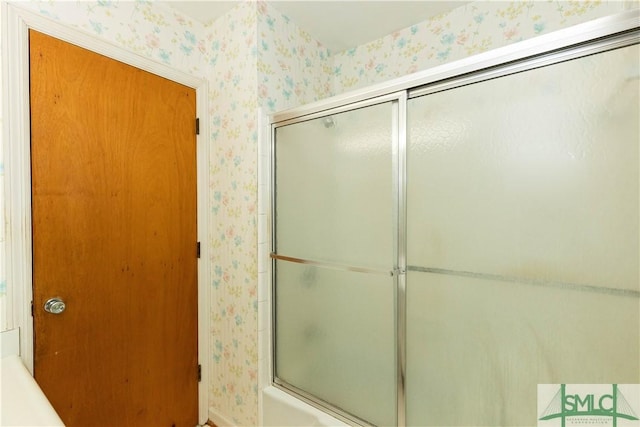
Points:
[(16, 140)]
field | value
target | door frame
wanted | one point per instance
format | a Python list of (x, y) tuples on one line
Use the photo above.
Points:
[(16, 23)]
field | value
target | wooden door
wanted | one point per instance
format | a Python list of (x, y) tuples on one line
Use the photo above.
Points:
[(114, 235)]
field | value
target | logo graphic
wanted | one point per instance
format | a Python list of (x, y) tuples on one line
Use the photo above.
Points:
[(588, 405)]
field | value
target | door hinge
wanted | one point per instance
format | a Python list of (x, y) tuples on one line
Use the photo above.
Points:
[(197, 126), (199, 373), (198, 249), (31, 308)]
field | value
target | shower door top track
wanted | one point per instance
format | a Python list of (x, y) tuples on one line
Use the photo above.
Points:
[(579, 40)]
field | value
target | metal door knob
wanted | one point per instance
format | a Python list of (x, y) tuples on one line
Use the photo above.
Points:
[(54, 306)]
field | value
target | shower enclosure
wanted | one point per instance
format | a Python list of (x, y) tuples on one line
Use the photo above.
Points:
[(440, 250)]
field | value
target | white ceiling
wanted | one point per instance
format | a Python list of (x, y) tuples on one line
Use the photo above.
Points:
[(338, 25)]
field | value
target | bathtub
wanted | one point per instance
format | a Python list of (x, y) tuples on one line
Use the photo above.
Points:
[(282, 409), (22, 401)]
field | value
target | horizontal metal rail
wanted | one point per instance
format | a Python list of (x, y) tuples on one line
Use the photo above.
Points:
[(533, 282), (625, 39), (331, 265)]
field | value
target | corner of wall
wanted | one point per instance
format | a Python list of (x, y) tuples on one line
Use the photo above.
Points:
[(293, 68), (231, 60)]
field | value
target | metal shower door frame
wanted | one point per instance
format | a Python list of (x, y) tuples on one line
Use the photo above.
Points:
[(398, 102), (590, 38)]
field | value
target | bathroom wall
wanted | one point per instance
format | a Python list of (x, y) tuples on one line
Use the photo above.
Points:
[(468, 30), (232, 40), (149, 29), (259, 58), (293, 68)]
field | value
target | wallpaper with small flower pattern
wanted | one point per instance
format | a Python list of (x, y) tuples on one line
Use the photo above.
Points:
[(470, 29), (233, 170), (253, 57), (259, 58), (293, 68)]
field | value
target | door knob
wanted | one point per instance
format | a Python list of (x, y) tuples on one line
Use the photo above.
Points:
[(54, 306)]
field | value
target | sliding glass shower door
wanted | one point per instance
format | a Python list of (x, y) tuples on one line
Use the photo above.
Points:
[(441, 251), (522, 239), (334, 254)]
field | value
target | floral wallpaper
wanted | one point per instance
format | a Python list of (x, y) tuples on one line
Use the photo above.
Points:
[(254, 57), (468, 30), (232, 57), (258, 58), (293, 68), (144, 27)]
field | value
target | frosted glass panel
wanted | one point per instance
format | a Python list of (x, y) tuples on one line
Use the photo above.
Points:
[(523, 197), (335, 338), (533, 175), (478, 348), (333, 188)]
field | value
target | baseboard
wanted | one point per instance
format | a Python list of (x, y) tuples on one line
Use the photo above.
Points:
[(219, 420)]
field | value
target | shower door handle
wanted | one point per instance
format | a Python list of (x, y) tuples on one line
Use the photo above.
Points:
[(54, 306)]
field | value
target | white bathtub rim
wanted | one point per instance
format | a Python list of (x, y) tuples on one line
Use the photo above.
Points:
[(296, 413), (23, 402)]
